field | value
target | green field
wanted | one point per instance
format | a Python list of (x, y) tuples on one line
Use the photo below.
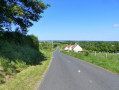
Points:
[(109, 61)]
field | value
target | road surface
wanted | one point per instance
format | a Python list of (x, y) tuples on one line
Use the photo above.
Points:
[(68, 73)]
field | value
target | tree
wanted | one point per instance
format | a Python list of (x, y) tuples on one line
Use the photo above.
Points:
[(21, 13), (117, 46)]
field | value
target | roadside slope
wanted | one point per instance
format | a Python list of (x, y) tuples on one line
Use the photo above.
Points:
[(28, 78)]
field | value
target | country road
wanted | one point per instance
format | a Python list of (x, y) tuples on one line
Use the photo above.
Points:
[(68, 73)]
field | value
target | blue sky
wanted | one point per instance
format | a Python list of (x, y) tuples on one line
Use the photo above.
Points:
[(79, 20)]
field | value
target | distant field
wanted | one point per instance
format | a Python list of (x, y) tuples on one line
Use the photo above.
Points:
[(109, 61)]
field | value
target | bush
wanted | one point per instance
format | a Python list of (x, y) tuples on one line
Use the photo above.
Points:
[(35, 41), (17, 52), (45, 45), (25, 53), (86, 53), (20, 39), (10, 67)]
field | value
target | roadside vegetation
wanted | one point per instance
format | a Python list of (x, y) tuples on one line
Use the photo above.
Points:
[(109, 61), (23, 60), (31, 77), (17, 52)]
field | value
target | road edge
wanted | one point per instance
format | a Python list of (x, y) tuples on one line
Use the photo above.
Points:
[(44, 75)]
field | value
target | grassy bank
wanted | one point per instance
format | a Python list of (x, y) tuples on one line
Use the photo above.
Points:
[(23, 61), (30, 78), (17, 52), (109, 61)]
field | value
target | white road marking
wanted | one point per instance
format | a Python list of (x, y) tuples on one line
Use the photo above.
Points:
[(79, 71)]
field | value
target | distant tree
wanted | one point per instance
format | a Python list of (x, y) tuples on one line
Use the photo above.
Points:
[(113, 49), (20, 13), (117, 46)]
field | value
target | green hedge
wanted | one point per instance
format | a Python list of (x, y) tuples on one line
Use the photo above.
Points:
[(20, 39), (17, 52)]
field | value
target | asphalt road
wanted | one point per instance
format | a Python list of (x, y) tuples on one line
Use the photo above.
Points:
[(68, 73)]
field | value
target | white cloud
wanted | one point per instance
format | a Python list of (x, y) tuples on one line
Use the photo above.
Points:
[(116, 25)]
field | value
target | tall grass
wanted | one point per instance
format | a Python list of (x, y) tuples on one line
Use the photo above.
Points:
[(14, 58), (29, 78), (22, 53), (17, 52), (110, 62)]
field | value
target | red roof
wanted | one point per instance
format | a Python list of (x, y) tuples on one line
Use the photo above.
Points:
[(68, 46), (73, 46)]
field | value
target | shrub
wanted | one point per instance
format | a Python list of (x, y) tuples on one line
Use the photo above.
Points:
[(35, 41), (20, 39), (86, 53), (18, 51)]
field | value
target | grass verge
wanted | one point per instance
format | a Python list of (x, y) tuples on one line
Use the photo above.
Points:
[(109, 61), (29, 78)]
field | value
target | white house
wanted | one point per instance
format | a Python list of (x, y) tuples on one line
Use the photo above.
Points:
[(76, 48), (68, 47)]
